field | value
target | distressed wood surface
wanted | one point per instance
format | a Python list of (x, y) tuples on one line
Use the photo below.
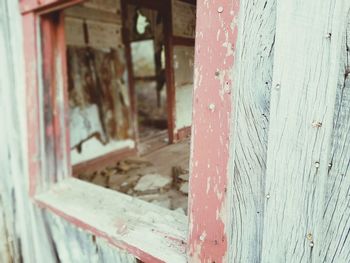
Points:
[(298, 220), (335, 226), (122, 220), (7, 206), (216, 35), (251, 106), (306, 202), (31, 235)]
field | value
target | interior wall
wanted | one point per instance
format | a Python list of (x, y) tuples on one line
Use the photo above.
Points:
[(184, 22), (183, 71), (146, 36), (99, 101)]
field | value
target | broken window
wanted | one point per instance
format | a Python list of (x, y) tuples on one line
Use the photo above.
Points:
[(130, 97)]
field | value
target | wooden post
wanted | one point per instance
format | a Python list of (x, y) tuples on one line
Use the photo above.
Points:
[(216, 36)]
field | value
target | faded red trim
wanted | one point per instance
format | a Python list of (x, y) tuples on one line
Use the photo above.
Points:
[(214, 58), (32, 100), (45, 6), (138, 253)]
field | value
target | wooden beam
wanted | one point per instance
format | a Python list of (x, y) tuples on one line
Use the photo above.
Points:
[(214, 59), (169, 71), (183, 41), (48, 6), (150, 232), (83, 12)]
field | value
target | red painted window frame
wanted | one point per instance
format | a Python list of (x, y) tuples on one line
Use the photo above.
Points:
[(208, 239)]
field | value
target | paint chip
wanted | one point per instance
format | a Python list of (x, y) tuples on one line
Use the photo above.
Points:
[(211, 107)]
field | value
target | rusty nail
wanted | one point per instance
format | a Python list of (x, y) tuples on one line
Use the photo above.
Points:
[(309, 236), (317, 124)]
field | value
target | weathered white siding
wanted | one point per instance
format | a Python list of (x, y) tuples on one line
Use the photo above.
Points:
[(306, 213), (252, 81), (289, 161), (29, 233)]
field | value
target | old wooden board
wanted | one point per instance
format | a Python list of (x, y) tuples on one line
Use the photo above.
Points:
[(248, 151), (149, 232), (306, 179)]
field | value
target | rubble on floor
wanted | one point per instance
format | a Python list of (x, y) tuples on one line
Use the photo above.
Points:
[(160, 177)]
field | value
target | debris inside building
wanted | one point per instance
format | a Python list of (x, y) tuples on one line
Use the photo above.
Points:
[(130, 79)]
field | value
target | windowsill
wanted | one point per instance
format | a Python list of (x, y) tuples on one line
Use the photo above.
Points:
[(149, 232)]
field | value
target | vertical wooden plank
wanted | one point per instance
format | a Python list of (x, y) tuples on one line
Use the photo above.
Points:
[(216, 35), (130, 72), (305, 78), (248, 149), (63, 108), (334, 229), (32, 100), (169, 67), (55, 97)]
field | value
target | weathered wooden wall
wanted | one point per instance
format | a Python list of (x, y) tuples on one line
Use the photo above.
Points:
[(306, 212), (251, 94), (184, 23), (99, 101), (288, 189), (30, 234)]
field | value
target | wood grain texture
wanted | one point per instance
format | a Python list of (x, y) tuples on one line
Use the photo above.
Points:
[(29, 231), (305, 79), (334, 228), (248, 150), (214, 56), (121, 220)]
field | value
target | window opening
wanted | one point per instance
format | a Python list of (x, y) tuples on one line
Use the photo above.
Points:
[(120, 68)]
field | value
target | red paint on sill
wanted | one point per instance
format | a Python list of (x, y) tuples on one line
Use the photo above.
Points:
[(138, 253)]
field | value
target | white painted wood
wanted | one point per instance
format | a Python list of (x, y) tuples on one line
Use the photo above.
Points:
[(307, 217), (252, 80), (29, 231), (77, 246), (126, 220), (305, 78), (334, 237)]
